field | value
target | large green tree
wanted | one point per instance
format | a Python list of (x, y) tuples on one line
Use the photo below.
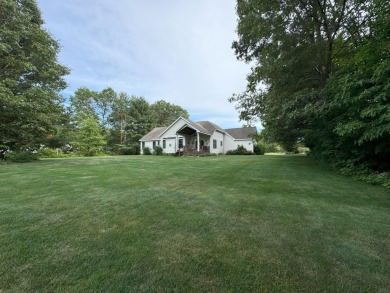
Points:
[(314, 78), (140, 119), (356, 120), (165, 113), (292, 44), (83, 104), (86, 103), (30, 76)]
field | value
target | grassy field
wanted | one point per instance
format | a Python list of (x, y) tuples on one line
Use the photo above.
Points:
[(212, 224)]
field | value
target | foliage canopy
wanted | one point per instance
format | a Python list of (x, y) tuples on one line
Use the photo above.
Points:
[(30, 76), (320, 75)]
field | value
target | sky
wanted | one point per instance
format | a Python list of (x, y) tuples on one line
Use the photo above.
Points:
[(173, 50)]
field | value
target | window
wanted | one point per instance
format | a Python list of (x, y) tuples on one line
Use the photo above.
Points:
[(154, 144), (214, 143), (164, 144), (221, 142), (143, 144)]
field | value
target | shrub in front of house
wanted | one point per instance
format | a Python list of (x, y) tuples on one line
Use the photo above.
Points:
[(129, 150), (125, 151), (240, 150), (136, 149), (20, 157), (157, 150), (147, 151), (259, 149)]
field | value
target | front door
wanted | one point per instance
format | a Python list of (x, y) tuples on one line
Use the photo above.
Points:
[(180, 143)]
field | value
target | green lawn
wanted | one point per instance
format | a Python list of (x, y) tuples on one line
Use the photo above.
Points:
[(211, 224)]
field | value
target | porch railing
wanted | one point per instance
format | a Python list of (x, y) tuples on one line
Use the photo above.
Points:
[(189, 150)]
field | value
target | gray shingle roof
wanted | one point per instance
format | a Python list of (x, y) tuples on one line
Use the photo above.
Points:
[(154, 134), (241, 133), (209, 126), (199, 127)]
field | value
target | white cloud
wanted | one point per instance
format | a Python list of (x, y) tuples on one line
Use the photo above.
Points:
[(179, 51)]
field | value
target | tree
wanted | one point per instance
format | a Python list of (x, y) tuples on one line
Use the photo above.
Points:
[(319, 76), (358, 115), (30, 76), (89, 103), (86, 102), (165, 113), (140, 119), (82, 104), (89, 139), (119, 119), (104, 103), (293, 45)]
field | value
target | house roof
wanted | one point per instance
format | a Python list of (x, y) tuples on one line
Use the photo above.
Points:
[(209, 126), (241, 133), (190, 123), (198, 126), (154, 134)]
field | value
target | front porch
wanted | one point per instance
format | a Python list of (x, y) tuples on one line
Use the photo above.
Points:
[(192, 142), (190, 151)]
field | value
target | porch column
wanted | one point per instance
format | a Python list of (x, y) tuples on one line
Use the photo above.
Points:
[(197, 139)]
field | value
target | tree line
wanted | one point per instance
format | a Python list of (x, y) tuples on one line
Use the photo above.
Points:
[(320, 76), (33, 113)]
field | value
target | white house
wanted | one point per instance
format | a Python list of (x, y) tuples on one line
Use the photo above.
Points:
[(186, 136)]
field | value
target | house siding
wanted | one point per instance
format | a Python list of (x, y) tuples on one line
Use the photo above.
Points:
[(170, 147), (218, 136), (171, 132), (246, 144), (231, 144), (148, 144)]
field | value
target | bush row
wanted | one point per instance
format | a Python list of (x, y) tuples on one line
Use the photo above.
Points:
[(20, 157), (157, 150), (240, 150)]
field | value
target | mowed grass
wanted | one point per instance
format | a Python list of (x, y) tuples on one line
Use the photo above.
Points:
[(212, 224)]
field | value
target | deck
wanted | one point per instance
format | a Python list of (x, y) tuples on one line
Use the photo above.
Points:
[(188, 151)]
